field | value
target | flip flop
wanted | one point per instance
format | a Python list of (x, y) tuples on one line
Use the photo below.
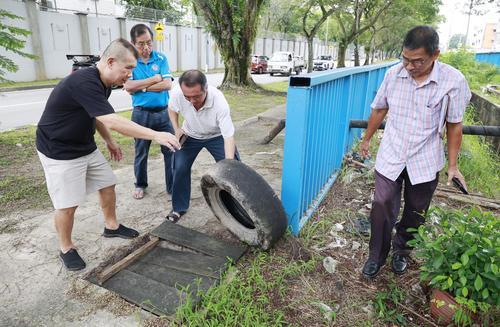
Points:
[(174, 216), (138, 193)]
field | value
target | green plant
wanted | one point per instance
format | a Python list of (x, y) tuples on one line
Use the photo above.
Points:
[(461, 253), (479, 164), (477, 74), (386, 302)]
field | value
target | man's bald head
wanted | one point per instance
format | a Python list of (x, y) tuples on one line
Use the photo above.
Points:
[(119, 49)]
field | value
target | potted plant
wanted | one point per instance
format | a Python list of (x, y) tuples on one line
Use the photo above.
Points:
[(461, 255)]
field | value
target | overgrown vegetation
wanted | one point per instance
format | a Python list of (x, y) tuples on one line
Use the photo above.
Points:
[(479, 164), (478, 74), (243, 298)]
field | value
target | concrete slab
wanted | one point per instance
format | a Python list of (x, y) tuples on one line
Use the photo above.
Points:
[(35, 289)]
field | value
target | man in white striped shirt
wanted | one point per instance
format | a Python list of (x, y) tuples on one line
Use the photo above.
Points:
[(414, 95)]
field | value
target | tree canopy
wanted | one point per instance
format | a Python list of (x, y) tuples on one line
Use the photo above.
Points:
[(12, 40)]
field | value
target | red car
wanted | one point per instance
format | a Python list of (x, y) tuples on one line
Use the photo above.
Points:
[(259, 64)]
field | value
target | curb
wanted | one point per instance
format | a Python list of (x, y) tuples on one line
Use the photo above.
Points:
[(23, 88)]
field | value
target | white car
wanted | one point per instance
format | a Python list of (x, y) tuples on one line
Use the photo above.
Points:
[(286, 63), (324, 62)]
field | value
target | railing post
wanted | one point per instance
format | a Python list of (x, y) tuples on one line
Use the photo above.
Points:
[(293, 164)]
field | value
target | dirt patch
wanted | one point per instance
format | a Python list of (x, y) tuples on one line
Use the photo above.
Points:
[(97, 298)]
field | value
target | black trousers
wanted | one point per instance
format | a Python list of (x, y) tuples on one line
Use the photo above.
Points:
[(385, 210)]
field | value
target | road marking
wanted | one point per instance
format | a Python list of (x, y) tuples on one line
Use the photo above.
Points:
[(22, 104)]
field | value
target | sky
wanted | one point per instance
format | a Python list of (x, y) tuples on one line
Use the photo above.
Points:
[(456, 20)]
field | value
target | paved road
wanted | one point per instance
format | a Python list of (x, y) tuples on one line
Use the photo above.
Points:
[(20, 108)]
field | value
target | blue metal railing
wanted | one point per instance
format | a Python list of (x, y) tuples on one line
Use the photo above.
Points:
[(319, 108), (489, 57)]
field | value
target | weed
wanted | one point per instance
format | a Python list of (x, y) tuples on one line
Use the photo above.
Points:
[(386, 305)]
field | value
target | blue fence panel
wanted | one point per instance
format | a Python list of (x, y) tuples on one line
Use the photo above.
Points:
[(489, 57), (319, 109)]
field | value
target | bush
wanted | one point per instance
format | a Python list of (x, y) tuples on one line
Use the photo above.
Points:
[(460, 255), (477, 74)]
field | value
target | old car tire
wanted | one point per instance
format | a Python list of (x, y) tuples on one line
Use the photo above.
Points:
[(245, 203)]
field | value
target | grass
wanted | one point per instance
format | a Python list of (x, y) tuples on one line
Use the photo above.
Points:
[(7, 85), (242, 299), (478, 163)]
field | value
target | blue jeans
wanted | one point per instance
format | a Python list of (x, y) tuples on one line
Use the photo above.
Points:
[(158, 121), (183, 161)]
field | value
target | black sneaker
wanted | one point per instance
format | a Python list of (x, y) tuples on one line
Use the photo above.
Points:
[(121, 231), (72, 260)]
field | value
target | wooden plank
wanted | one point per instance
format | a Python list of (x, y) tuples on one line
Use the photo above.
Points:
[(195, 263), (197, 241), (145, 292), (123, 263), (172, 277)]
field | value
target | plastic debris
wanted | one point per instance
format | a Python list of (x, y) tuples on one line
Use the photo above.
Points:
[(330, 264)]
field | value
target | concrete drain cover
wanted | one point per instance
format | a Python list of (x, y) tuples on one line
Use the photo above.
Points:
[(157, 276)]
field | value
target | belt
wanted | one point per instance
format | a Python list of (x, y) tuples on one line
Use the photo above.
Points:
[(152, 109)]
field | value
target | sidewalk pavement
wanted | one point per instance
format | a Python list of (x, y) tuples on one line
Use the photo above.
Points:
[(36, 290)]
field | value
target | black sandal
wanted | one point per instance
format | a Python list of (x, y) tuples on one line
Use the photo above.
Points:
[(174, 216)]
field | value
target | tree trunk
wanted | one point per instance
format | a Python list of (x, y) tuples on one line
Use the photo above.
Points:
[(310, 54), (237, 69), (234, 31), (367, 56), (356, 53), (341, 56)]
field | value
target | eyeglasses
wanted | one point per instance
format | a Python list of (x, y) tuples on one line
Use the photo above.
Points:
[(195, 97), (415, 63), (143, 44)]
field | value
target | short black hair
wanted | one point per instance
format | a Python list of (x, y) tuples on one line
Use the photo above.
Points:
[(118, 49), (193, 77), (138, 30), (422, 36)]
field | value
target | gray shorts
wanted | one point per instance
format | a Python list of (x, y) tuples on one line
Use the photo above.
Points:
[(69, 181)]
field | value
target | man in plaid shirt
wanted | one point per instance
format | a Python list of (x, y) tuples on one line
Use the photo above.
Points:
[(419, 96)]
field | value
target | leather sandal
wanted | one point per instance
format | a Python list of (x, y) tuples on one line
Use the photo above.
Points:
[(174, 216)]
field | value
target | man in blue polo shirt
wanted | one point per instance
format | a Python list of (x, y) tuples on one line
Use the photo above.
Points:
[(149, 85)]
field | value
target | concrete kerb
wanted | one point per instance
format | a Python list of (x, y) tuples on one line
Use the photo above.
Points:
[(24, 88), (36, 290)]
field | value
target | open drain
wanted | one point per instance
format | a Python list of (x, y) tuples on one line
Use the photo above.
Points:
[(157, 277)]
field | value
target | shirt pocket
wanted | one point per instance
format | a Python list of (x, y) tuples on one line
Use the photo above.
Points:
[(431, 114)]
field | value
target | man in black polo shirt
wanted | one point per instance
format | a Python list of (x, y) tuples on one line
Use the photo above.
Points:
[(73, 166)]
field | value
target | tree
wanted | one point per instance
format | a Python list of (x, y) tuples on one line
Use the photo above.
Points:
[(9, 41), (233, 25), (456, 41), (280, 16), (387, 34), (171, 11), (313, 14), (358, 17)]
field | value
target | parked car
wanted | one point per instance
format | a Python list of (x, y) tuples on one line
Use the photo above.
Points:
[(286, 63), (323, 63), (259, 64)]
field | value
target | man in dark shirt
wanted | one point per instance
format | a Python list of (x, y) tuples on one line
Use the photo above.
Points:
[(73, 166)]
